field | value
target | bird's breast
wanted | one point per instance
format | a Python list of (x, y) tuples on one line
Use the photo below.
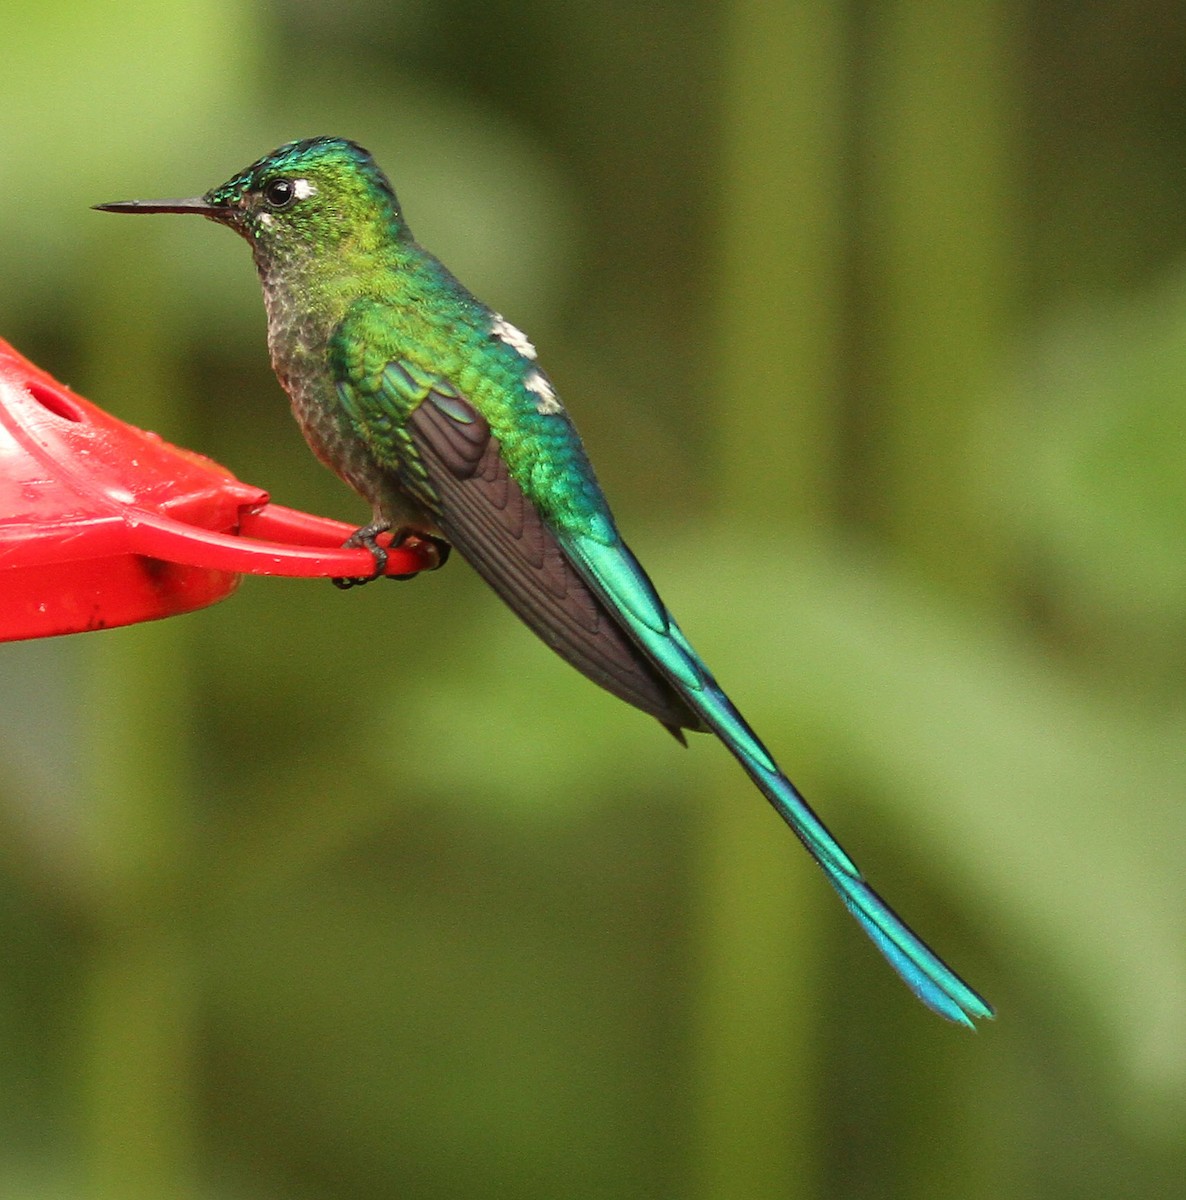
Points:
[(298, 341)]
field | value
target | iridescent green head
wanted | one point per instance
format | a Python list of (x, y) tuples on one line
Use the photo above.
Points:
[(307, 195)]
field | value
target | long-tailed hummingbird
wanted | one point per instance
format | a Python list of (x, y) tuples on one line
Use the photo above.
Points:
[(435, 410)]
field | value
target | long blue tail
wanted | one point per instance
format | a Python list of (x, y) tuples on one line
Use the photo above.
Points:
[(622, 583)]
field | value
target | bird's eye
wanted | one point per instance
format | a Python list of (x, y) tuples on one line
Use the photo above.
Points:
[(279, 193)]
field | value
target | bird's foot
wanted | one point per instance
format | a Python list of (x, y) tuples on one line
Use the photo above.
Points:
[(365, 538), (434, 551)]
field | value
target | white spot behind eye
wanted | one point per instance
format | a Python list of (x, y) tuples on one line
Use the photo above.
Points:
[(302, 189), (514, 337)]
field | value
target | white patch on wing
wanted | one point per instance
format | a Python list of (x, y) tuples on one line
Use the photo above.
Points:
[(546, 399), (302, 189), (512, 335)]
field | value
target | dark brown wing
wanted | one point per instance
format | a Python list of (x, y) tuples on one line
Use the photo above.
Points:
[(485, 514)]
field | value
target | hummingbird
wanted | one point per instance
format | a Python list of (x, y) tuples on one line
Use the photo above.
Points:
[(435, 409)]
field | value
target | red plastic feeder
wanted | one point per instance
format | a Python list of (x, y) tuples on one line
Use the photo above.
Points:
[(103, 524)]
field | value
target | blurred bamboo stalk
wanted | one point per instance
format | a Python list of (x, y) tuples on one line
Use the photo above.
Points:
[(777, 379), (781, 266), (136, 1070), (942, 114)]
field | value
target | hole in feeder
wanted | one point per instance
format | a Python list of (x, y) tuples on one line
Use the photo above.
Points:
[(54, 402)]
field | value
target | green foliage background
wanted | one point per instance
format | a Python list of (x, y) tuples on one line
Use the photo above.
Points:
[(874, 318)]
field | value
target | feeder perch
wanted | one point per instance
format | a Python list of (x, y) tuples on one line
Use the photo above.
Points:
[(104, 524)]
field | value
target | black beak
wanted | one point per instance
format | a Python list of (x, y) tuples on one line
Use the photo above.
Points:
[(197, 204)]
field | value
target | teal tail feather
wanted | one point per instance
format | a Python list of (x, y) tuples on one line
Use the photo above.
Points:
[(621, 582)]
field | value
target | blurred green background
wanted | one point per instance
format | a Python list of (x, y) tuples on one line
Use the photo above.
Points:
[(873, 315)]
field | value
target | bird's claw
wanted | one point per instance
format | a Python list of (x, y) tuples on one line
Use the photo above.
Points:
[(432, 551), (364, 538)]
